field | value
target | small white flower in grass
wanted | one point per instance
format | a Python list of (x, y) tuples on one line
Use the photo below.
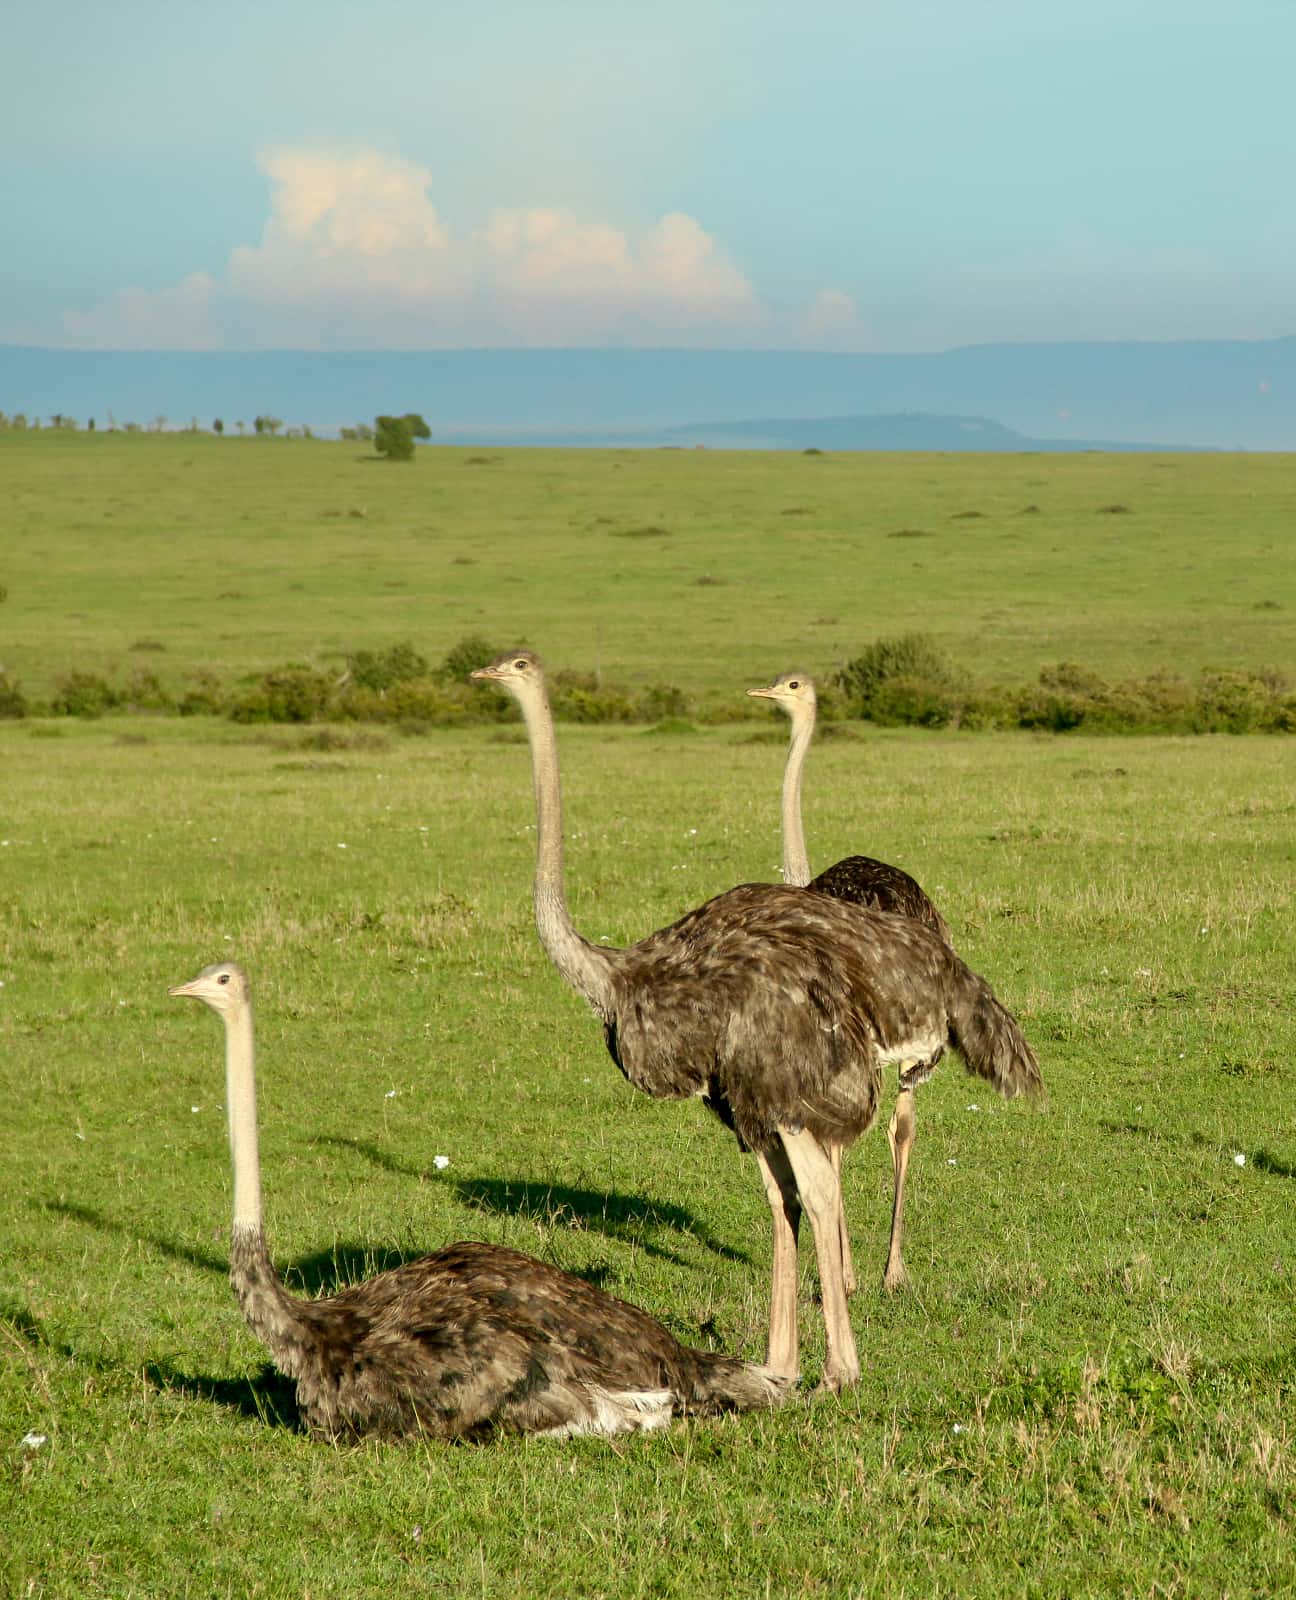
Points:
[(692, 830), (417, 1535), (974, 1107), (4, 843), (390, 1095), (440, 1162), (1239, 1160), (960, 1427), (1143, 972), (212, 840), (952, 1162), (121, 1002), (341, 847), (195, 1109), (1203, 930), (33, 1441), (422, 830)]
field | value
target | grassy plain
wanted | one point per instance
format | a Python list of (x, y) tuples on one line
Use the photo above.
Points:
[(700, 568), (1090, 1389)]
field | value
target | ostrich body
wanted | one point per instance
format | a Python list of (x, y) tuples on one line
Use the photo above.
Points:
[(867, 882), (779, 1009), (471, 1340)]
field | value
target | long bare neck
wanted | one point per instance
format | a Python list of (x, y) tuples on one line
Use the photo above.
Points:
[(796, 863), (270, 1311), (586, 967), (240, 1101)]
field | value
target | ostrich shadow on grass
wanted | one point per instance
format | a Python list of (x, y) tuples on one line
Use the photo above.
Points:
[(321, 1272), (267, 1396), (627, 1218)]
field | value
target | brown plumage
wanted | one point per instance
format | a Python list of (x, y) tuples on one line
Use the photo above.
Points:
[(472, 1340), (870, 882), (865, 881), (778, 1007)]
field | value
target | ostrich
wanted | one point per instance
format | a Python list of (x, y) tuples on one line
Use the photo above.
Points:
[(868, 882), (779, 1009), (472, 1340)]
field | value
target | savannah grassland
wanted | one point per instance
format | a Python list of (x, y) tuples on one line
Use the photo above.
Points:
[(1090, 1388)]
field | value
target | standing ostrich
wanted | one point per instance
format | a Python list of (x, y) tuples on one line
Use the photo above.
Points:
[(472, 1340), (777, 1007), (867, 882)]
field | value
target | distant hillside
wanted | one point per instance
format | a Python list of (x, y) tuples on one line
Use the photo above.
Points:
[(910, 431), (1220, 394)]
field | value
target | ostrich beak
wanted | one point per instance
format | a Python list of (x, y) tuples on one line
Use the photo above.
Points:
[(762, 694), (487, 673), (190, 988)]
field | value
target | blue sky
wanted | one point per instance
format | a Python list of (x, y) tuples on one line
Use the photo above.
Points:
[(862, 176)]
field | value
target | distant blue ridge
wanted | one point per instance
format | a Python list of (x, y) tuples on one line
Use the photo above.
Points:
[(1203, 394)]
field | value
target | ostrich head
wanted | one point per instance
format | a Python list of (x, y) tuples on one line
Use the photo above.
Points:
[(223, 987), (794, 692), (518, 671)]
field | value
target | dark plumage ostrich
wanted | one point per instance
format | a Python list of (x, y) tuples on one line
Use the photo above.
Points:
[(779, 1008), (469, 1341), (867, 882)]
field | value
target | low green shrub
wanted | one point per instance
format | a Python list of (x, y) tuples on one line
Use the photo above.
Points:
[(580, 697), (380, 669), (463, 659), (661, 701), (293, 693), (203, 697), (13, 702), (425, 701), (144, 692), (912, 658), (83, 694)]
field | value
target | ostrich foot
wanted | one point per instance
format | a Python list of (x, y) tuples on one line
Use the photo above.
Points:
[(837, 1375), (896, 1278)]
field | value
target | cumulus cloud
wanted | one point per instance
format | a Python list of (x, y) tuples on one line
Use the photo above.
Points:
[(833, 323), (178, 318), (354, 252)]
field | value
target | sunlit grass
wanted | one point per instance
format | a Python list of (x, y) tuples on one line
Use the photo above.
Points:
[(180, 552), (1089, 1389)]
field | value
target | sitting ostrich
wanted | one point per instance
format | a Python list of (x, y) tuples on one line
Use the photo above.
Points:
[(779, 1008), (868, 882), (472, 1340)]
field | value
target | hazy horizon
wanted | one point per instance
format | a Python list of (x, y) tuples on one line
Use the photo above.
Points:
[(1211, 394)]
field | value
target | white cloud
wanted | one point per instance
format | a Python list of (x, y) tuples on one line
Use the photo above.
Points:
[(178, 318), (833, 323), (354, 252)]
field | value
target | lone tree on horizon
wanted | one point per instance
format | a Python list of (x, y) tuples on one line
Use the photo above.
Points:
[(394, 436)]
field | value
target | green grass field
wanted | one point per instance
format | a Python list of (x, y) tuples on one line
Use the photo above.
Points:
[(698, 568), (1090, 1388)]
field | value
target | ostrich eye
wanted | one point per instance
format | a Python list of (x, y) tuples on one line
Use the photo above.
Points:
[(794, 684), (520, 665), (224, 978)]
